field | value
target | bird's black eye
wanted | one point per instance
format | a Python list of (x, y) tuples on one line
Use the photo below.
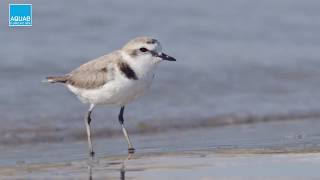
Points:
[(143, 49)]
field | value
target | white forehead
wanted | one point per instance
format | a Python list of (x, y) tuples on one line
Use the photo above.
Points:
[(147, 42)]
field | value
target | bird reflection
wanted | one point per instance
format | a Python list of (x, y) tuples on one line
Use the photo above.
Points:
[(122, 172), (122, 169), (90, 171)]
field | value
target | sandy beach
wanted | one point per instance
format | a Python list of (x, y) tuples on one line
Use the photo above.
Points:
[(203, 153)]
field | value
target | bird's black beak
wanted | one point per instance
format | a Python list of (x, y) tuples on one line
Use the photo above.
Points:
[(166, 57)]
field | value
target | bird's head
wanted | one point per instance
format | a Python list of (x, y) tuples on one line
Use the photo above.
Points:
[(146, 48)]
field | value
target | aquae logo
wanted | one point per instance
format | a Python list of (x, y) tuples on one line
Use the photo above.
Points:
[(20, 14)]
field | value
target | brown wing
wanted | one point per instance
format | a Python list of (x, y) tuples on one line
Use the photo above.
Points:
[(95, 73)]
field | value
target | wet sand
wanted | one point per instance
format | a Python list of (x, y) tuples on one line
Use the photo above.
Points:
[(179, 165), (230, 152)]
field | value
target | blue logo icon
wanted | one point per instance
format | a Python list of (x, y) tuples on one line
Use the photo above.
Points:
[(20, 14)]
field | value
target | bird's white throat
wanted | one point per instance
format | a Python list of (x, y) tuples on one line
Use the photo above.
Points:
[(143, 66)]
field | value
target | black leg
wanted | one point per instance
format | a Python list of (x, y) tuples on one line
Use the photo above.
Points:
[(89, 117), (121, 121)]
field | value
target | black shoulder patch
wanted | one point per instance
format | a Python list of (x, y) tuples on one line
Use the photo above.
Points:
[(127, 71)]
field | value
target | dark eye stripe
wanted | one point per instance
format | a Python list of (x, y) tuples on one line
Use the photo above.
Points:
[(143, 49)]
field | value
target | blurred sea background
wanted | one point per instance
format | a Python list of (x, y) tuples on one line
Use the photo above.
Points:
[(238, 61)]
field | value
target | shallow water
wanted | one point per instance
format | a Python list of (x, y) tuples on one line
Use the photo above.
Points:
[(232, 152), (237, 57), (186, 165), (258, 138)]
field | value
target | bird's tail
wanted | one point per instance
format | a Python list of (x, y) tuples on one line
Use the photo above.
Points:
[(56, 79)]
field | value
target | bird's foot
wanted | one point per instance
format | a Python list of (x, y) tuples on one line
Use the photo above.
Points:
[(131, 150)]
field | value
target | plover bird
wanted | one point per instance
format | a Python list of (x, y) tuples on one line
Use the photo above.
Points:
[(115, 79)]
